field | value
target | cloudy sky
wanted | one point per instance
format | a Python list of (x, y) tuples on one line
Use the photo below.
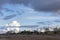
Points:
[(30, 12)]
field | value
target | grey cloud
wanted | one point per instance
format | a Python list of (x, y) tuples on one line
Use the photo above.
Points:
[(46, 5), (20, 1), (1, 14), (4, 1), (41, 22), (20, 13), (57, 21), (45, 22), (38, 5), (41, 5), (9, 16), (30, 26), (8, 10)]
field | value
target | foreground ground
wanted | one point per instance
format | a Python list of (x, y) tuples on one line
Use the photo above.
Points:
[(29, 37)]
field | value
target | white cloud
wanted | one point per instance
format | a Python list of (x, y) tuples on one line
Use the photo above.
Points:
[(13, 26), (13, 23)]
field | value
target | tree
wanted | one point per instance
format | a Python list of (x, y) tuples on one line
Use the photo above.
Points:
[(56, 30)]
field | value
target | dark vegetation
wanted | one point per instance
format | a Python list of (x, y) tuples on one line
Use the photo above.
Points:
[(35, 32)]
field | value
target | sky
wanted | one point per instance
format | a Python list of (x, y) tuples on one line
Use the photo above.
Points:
[(30, 12)]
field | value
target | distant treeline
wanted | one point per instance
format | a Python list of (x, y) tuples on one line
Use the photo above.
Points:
[(47, 32)]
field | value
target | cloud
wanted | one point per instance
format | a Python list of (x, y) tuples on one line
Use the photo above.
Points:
[(2, 2), (20, 1), (46, 22), (57, 21), (1, 14), (13, 23), (49, 22), (19, 13), (9, 16), (43, 17), (8, 10), (40, 5), (47, 5)]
